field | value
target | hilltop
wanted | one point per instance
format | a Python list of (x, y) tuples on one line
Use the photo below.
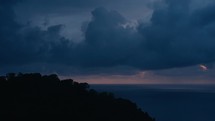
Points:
[(36, 97)]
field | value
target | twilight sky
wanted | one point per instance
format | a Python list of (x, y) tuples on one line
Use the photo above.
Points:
[(110, 41)]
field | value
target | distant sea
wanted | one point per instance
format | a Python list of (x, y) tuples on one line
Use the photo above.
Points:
[(169, 102)]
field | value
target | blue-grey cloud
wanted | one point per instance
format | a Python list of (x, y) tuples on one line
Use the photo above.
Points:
[(22, 44), (107, 42), (177, 36)]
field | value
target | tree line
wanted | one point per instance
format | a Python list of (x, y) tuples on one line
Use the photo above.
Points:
[(36, 97)]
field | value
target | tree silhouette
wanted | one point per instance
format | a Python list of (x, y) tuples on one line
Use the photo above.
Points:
[(34, 97)]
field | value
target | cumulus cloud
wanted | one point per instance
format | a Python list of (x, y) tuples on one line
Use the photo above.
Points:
[(107, 43), (180, 37), (177, 36), (22, 44)]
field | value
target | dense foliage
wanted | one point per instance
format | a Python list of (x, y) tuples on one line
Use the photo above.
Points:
[(34, 97)]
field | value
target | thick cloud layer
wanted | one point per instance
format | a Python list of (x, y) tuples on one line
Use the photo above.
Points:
[(22, 44), (107, 43), (177, 36)]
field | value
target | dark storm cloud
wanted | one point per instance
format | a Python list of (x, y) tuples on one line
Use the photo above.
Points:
[(41, 7), (176, 37), (65, 3), (21, 44), (180, 37), (107, 43), (80, 5)]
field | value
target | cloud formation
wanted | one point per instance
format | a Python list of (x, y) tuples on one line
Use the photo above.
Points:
[(22, 44), (107, 43), (177, 36)]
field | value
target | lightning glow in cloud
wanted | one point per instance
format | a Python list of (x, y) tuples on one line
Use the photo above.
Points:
[(203, 67)]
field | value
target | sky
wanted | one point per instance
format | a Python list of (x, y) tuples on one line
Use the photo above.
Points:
[(110, 41)]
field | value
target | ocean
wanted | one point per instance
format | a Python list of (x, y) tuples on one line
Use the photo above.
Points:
[(169, 102)]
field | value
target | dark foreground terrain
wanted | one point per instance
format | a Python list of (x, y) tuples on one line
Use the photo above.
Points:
[(34, 97)]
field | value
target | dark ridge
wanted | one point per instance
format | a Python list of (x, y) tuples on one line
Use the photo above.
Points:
[(34, 97)]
